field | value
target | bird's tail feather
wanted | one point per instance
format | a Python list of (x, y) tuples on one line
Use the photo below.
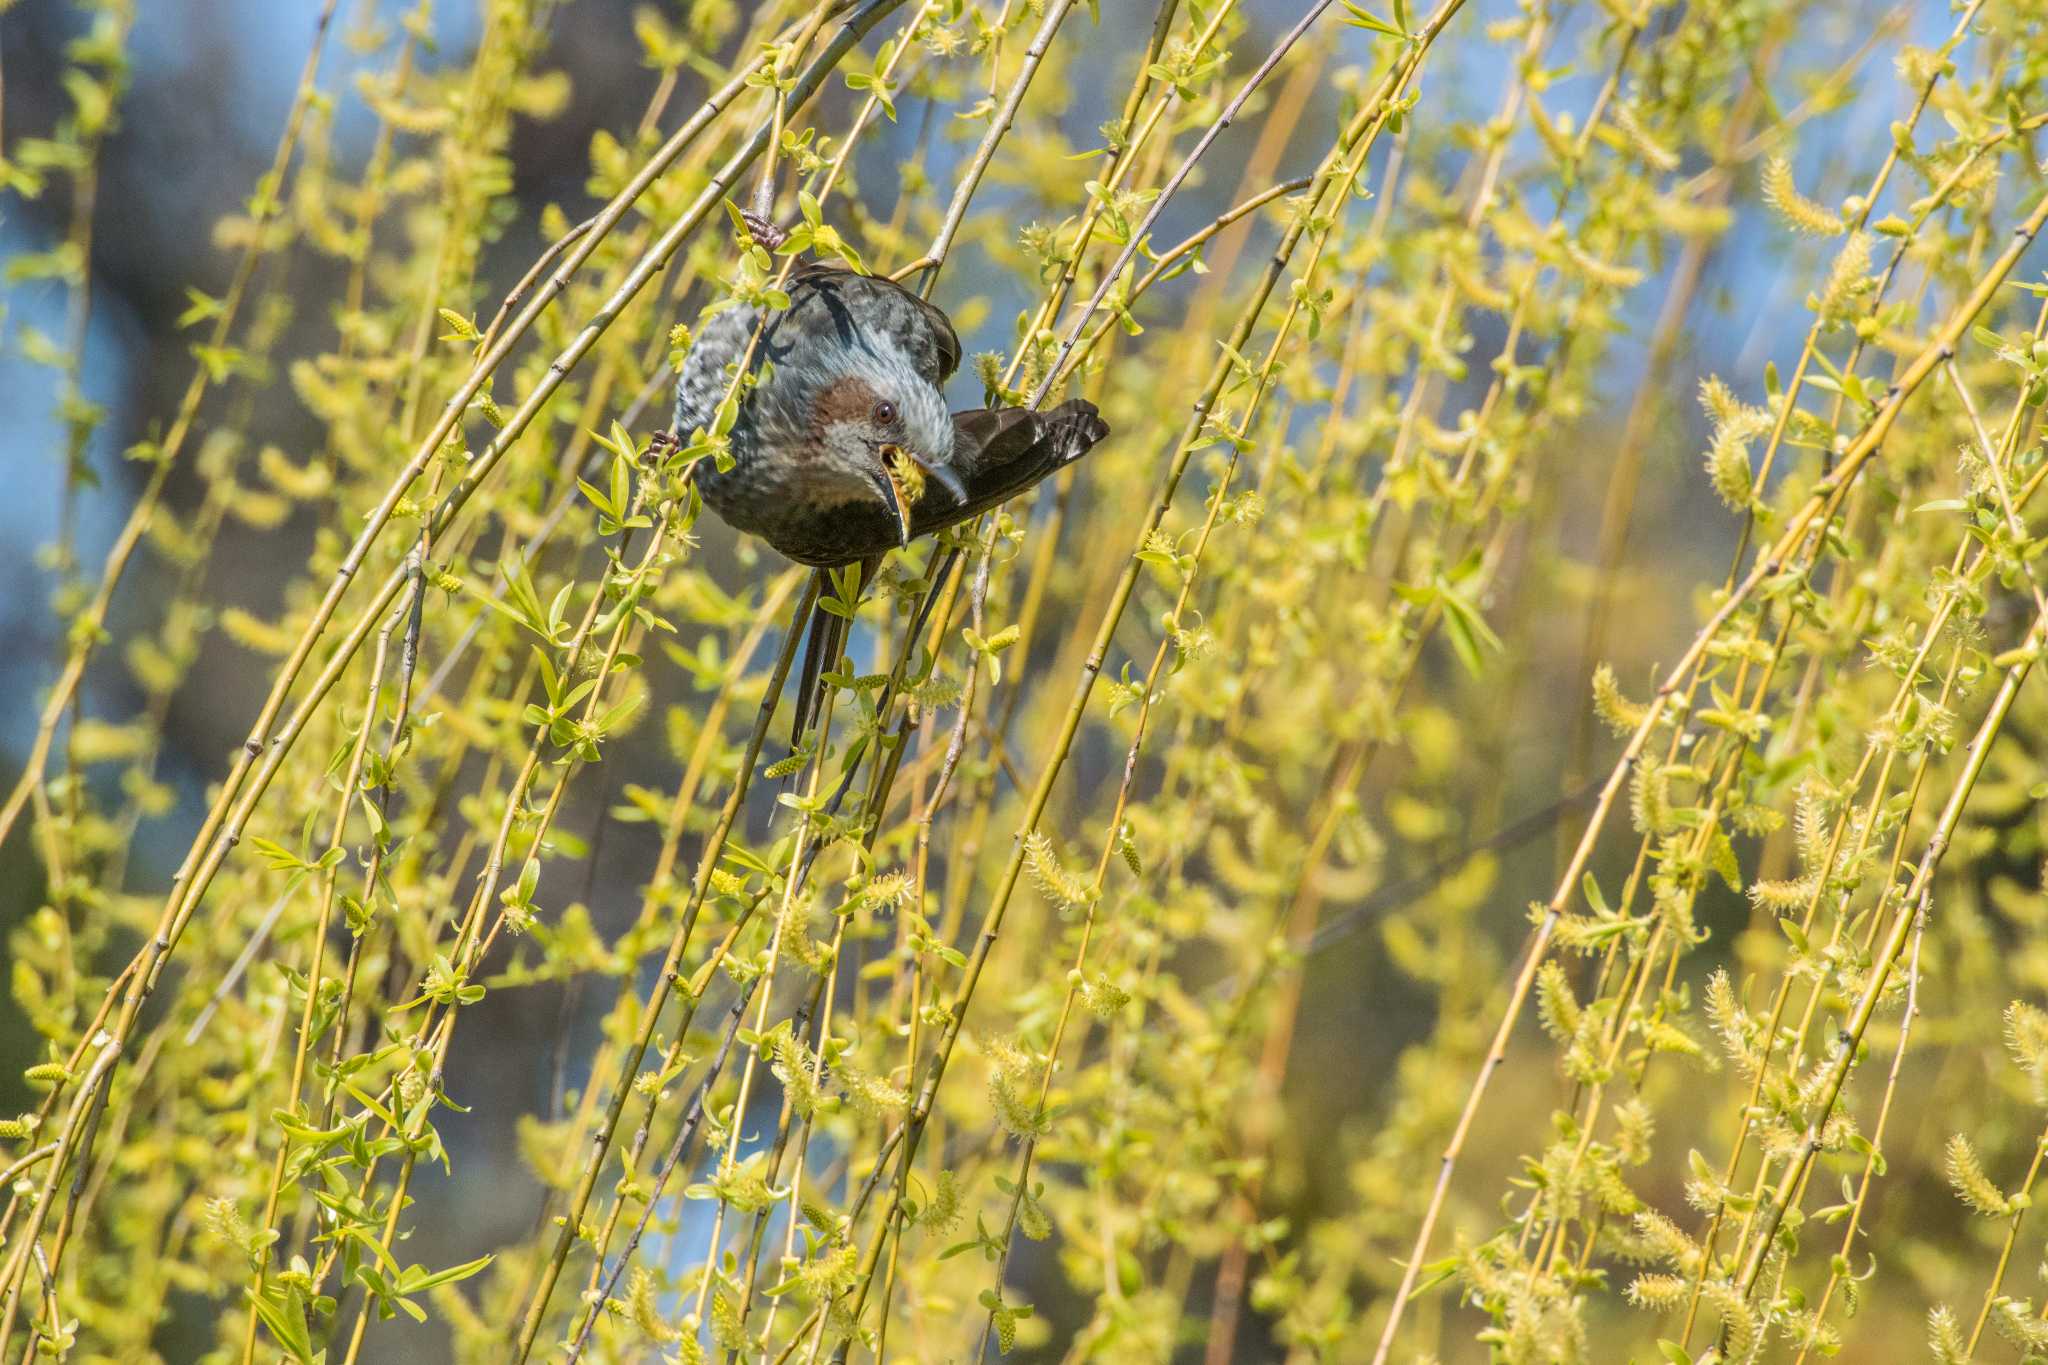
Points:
[(823, 646)]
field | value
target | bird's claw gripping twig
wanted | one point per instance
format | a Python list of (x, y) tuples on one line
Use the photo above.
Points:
[(661, 445), (764, 229)]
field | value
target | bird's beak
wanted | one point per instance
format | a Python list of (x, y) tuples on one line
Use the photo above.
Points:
[(890, 486), (894, 457), (945, 478), (903, 483)]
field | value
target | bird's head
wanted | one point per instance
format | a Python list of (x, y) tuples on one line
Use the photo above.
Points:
[(882, 432)]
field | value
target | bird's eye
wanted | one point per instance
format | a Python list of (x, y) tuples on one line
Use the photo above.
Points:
[(885, 413)]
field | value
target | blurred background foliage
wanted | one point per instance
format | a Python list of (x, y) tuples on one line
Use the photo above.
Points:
[(1498, 817)]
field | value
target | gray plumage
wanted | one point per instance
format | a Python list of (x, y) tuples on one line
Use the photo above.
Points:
[(853, 391)]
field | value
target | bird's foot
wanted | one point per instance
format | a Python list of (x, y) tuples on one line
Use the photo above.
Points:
[(661, 446), (764, 230)]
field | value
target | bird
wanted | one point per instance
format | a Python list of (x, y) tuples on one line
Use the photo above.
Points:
[(845, 447)]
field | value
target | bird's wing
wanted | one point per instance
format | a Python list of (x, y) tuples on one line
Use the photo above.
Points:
[(1000, 452), (920, 327)]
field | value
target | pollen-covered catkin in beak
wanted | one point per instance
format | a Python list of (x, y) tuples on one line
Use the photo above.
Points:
[(912, 471), (897, 498)]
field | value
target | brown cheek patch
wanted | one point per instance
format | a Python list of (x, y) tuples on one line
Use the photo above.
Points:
[(843, 400)]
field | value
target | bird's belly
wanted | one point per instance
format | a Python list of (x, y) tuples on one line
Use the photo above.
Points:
[(810, 519), (756, 494)]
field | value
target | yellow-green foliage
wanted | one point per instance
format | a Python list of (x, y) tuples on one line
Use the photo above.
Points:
[(1376, 541)]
